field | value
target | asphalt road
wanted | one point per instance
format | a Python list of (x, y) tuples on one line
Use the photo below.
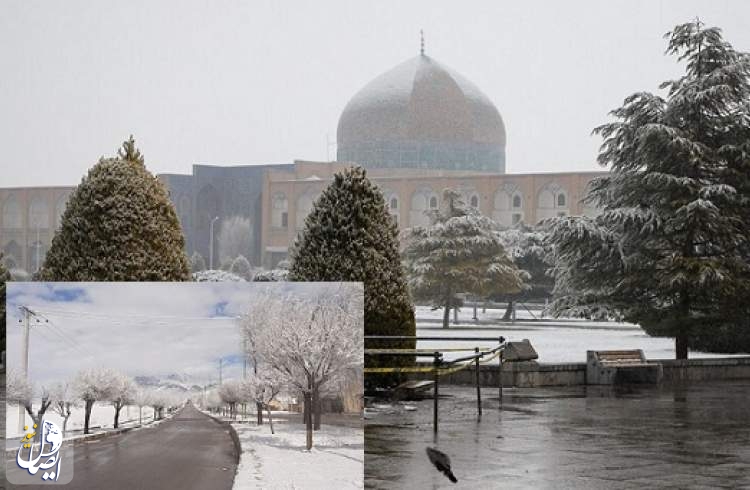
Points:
[(190, 451)]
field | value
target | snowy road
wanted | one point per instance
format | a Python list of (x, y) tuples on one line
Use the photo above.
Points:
[(190, 451)]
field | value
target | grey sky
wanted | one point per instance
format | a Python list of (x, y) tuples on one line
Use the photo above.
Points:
[(250, 82), (150, 329)]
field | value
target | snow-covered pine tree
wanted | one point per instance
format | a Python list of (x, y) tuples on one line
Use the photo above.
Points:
[(671, 249), (460, 252), (527, 247), (349, 236), (118, 225), (4, 277)]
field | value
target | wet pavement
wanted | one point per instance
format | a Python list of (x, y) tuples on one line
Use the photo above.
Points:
[(689, 437), (190, 451)]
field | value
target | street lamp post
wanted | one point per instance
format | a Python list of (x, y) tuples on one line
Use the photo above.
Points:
[(211, 245)]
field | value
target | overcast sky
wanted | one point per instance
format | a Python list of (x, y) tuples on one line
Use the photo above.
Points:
[(252, 82), (141, 329)]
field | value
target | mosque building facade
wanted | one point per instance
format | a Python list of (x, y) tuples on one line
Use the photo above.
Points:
[(418, 129)]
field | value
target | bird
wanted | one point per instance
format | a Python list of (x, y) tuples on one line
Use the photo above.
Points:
[(442, 462)]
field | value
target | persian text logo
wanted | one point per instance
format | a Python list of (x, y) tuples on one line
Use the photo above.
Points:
[(48, 455)]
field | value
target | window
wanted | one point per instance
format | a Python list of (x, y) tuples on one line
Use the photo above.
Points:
[(394, 203), (561, 200), (433, 202), (516, 201), (279, 211), (474, 201)]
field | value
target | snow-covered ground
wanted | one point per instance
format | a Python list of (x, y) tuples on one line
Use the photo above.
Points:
[(280, 460), (555, 340), (102, 417)]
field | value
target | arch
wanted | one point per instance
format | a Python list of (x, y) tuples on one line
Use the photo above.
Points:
[(422, 201), (62, 203), (474, 201), (279, 210), (38, 213), (12, 216), (552, 201), (305, 204), (13, 252), (508, 205)]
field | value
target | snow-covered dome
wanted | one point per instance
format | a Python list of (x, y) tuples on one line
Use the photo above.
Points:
[(422, 114)]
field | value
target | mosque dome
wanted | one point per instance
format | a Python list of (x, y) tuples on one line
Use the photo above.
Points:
[(422, 114)]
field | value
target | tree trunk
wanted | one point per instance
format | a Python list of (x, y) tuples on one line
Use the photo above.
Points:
[(65, 425), (508, 310), (455, 314), (118, 407), (87, 416), (308, 420), (316, 407), (681, 345), (140, 415), (270, 420), (475, 310), (447, 314), (259, 410)]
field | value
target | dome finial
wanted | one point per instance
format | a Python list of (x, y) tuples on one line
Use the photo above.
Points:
[(421, 42)]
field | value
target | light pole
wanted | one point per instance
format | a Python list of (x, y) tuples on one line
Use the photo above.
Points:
[(211, 245)]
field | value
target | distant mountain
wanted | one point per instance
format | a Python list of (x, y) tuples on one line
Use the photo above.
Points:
[(172, 382)]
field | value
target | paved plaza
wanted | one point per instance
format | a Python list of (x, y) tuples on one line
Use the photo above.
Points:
[(696, 436)]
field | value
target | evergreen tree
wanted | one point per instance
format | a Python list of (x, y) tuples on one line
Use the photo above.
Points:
[(197, 262), (349, 236), (528, 248), (4, 277), (119, 225), (671, 250), (460, 252)]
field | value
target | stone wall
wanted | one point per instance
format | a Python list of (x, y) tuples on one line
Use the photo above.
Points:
[(533, 374)]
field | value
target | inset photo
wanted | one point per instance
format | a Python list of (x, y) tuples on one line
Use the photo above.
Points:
[(184, 385)]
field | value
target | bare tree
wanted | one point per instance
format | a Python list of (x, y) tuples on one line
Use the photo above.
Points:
[(263, 388), (231, 393)]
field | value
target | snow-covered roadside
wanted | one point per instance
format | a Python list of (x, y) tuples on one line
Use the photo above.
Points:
[(280, 461)]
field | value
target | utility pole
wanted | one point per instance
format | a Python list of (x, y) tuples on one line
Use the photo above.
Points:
[(220, 361), (211, 245), (244, 359), (26, 325)]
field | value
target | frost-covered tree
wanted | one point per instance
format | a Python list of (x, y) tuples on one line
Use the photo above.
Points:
[(231, 392), (141, 398), (197, 262), (93, 385), (235, 238), (671, 249), (350, 236), (241, 267), (121, 394), (263, 388), (64, 400), (459, 252), (118, 225), (4, 277), (21, 391), (310, 343)]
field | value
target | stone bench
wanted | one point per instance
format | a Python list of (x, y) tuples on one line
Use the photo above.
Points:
[(621, 367)]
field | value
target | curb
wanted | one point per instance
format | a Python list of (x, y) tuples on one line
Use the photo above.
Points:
[(232, 434)]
